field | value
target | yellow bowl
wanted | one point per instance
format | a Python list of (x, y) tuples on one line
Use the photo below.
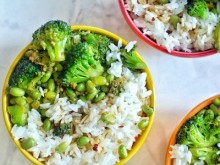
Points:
[(195, 110), (112, 36)]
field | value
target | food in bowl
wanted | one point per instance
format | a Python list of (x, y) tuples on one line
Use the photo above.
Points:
[(78, 96), (196, 140), (177, 25)]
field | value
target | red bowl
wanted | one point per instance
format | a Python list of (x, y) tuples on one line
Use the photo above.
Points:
[(151, 42)]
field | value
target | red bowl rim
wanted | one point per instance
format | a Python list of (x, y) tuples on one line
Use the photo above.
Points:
[(154, 44)]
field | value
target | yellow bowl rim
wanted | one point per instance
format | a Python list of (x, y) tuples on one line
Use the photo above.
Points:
[(192, 112), (114, 37)]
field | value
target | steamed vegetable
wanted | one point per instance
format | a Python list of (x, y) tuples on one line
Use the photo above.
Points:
[(201, 134), (198, 8), (53, 37)]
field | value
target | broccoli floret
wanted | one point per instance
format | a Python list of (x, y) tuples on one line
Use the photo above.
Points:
[(24, 73), (100, 45), (131, 60), (53, 36), (81, 65), (201, 133), (198, 8), (62, 129), (209, 154)]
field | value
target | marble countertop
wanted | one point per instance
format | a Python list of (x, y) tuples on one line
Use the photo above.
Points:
[(180, 83)]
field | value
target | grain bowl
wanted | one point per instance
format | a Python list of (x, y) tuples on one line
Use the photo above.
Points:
[(74, 101)]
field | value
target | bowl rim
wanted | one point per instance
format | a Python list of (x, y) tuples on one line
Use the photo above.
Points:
[(152, 43), (191, 113), (114, 37)]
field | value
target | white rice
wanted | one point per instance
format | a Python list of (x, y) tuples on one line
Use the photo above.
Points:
[(191, 34), (126, 107)]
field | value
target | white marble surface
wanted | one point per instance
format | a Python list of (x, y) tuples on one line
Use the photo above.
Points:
[(180, 83)]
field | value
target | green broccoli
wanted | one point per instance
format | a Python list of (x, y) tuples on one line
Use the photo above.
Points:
[(198, 8), (100, 45), (81, 65), (201, 133), (53, 36), (62, 129), (131, 60), (24, 73)]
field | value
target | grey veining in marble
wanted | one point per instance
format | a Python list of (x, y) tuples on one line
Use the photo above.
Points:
[(180, 83)]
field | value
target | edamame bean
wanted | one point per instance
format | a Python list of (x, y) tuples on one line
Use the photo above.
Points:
[(105, 88), (61, 147), (162, 1), (47, 124), (83, 98), (146, 109), (51, 85), (90, 87), (28, 143), (18, 115), (82, 141), (108, 118), (122, 151), (100, 97), (91, 96), (58, 67), (174, 20), (35, 94), (81, 87), (20, 101), (46, 77), (70, 93), (216, 101), (14, 91), (43, 112), (143, 124), (35, 104), (50, 95), (109, 78), (99, 80)]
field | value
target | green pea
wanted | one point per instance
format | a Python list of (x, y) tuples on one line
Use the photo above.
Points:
[(108, 118), (149, 111), (91, 96), (50, 95), (122, 151), (46, 77), (35, 94), (70, 93), (17, 91), (109, 78), (143, 124), (81, 87), (58, 67), (162, 1), (174, 20), (20, 101), (216, 101), (90, 87), (47, 125), (61, 147), (51, 85), (82, 141), (100, 97), (99, 80), (28, 143)]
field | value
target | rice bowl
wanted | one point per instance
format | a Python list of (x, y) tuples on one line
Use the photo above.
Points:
[(106, 142), (151, 23)]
